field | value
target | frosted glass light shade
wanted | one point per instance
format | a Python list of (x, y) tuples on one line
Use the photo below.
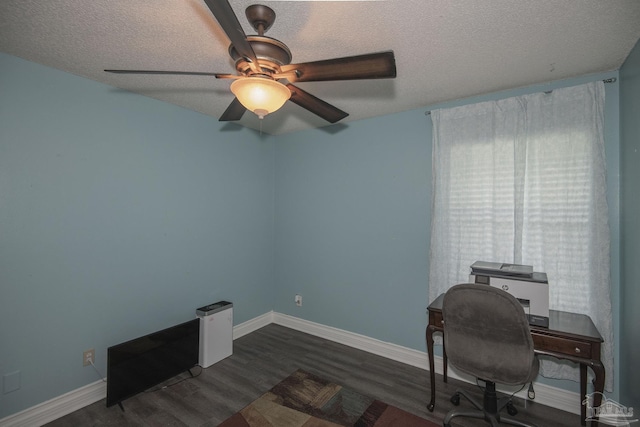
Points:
[(260, 95)]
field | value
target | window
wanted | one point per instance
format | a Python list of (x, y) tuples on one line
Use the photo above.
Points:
[(522, 180)]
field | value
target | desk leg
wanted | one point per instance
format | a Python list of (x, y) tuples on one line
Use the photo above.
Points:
[(444, 361), (583, 394), (598, 386), (432, 371)]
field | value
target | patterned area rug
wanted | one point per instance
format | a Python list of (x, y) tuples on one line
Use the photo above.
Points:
[(306, 400)]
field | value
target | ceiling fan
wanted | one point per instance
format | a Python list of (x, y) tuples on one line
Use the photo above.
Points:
[(265, 74)]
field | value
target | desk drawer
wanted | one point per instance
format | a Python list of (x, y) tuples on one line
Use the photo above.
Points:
[(566, 346), (435, 319)]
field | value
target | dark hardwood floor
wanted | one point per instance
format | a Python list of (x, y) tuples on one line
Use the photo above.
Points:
[(264, 358)]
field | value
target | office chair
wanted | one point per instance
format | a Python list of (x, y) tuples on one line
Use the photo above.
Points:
[(486, 335)]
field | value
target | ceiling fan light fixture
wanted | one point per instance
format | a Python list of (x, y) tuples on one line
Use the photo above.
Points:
[(260, 95)]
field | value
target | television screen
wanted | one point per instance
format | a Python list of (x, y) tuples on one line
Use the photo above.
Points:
[(141, 363)]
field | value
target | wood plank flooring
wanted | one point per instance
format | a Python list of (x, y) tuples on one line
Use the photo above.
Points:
[(264, 358)]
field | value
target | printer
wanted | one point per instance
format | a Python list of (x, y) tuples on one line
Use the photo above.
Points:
[(530, 288)]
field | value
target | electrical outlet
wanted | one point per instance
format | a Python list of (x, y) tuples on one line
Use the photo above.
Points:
[(298, 300), (88, 357)]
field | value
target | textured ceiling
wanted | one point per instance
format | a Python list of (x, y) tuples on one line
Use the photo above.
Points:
[(445, 49)]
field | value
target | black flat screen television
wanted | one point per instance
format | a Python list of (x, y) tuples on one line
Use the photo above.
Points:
[(136, 365)]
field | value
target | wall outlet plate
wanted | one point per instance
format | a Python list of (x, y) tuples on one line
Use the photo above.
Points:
[(88, 356), (298, 300)]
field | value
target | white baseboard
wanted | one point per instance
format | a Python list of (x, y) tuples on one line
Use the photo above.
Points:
[(76, 399), (252, 325), (57, 407)]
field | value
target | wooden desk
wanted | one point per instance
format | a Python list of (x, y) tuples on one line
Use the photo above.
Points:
[(569, 336)]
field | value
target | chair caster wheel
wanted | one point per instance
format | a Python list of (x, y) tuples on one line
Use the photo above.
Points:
[(511, 409), (455, 399)]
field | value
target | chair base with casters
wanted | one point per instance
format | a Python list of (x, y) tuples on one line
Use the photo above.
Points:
[(490, 411)]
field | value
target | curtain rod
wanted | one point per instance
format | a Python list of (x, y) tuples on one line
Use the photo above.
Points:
[(611, 80)]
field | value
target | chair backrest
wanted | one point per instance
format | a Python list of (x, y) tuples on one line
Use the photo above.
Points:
[(486, 334)]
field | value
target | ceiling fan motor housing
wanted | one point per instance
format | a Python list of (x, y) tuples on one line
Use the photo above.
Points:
[(271, 54)]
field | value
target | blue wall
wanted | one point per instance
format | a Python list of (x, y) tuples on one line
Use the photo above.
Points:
[(119, 216), (352, 226), (630, 227)]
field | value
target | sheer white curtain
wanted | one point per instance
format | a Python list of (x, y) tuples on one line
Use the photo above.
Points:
[(522, 180)]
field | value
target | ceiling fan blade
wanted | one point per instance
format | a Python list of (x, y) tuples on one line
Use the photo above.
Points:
[(369, 66), (234, 111), (223, 12), (315, 105), (181, 73)]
